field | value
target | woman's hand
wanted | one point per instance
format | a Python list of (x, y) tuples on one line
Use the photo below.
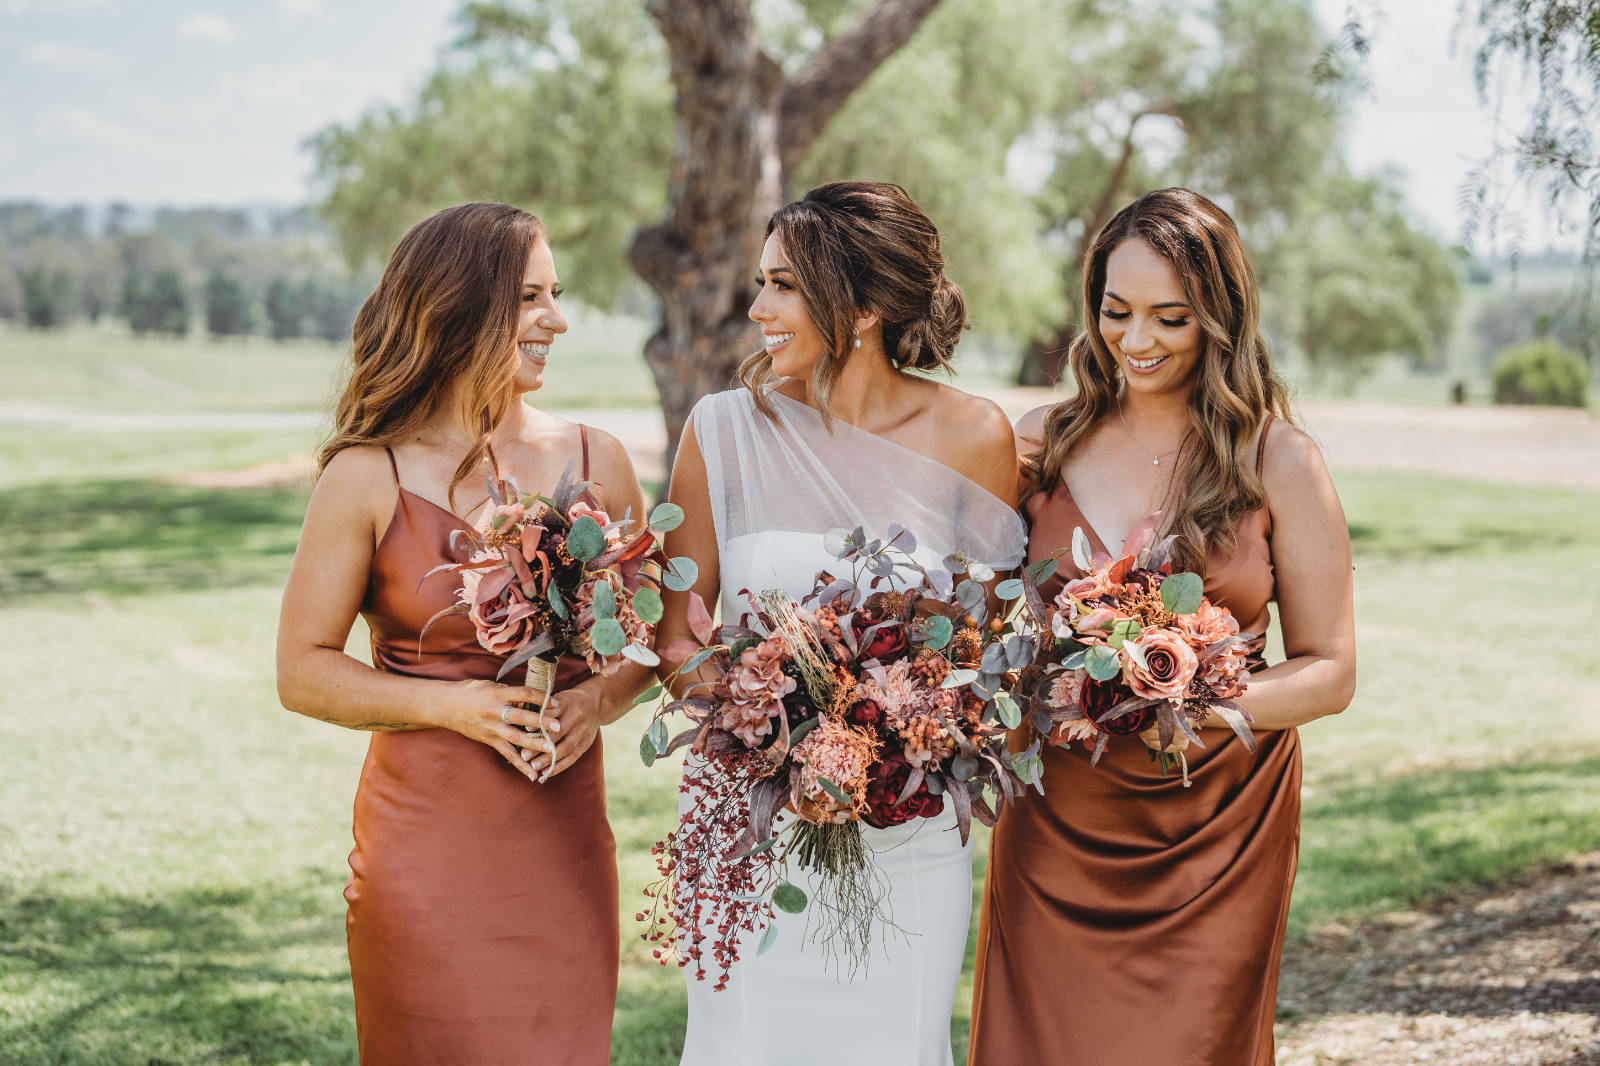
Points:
[(572, 717), (492, 714)]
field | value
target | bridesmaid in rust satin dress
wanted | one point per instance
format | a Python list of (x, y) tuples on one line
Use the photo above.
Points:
[(482, 922), (1128, 920)]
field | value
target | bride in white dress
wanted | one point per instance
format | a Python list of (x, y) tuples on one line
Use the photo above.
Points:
[(831, 431)]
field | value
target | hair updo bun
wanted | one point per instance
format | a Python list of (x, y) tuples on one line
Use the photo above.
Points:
[(858, 246), (929, 342)]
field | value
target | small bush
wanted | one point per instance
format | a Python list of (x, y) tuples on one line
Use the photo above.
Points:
[(1541, 372)]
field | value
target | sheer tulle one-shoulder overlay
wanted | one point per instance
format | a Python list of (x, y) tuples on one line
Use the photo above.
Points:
[(482, 920), (1128, 920), (777, 485)]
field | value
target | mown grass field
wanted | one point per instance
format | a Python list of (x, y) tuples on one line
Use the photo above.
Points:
[(172, 843)]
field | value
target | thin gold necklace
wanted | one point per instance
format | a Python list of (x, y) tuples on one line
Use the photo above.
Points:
[(1155, 459), (451, 439)]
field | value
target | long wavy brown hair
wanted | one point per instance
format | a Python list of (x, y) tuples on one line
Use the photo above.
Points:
[(864, 245), (1214, 483), (445, 310)]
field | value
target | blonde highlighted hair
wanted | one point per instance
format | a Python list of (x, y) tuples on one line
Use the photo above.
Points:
[(1214, 482), (445, 310)]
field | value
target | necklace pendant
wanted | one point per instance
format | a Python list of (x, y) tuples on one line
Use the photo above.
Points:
[(1156, 461)]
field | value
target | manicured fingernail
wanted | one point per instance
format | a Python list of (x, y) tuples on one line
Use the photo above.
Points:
[(555, 727), (526, 754)]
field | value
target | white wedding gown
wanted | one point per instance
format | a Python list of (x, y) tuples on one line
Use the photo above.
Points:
[(777, 485)]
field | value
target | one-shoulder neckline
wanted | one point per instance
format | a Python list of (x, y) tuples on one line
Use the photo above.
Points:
[(952, 471)]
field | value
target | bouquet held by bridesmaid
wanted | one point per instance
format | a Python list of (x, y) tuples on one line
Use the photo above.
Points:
[(872, 701), (555, 575), (1129, 646)]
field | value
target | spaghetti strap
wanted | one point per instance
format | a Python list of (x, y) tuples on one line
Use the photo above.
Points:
[(1261, 445), (395, 469), (583, 435)]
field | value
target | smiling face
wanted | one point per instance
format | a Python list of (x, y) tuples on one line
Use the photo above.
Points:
[(539, 318), (791, 338), (1146, 320)]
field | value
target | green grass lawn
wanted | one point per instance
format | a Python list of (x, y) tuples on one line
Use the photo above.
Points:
[(172, 843)]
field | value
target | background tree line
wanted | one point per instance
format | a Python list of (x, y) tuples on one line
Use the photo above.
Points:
[(224, 271)]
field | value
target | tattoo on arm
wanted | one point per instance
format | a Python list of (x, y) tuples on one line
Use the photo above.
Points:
[(370, 727)]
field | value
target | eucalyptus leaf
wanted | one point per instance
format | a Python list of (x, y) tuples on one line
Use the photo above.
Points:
[(963, 767), (682, 573), (553, 594), (1043, 570), (969, 594), (937, 630), (585, 540), (641, 655), (1082, 554), (958, 678), (956, 563), (798, 733), (1182, 593), (666, 517), (1102, 662), (839, 795), (607, 637), (657, 735), (651, 693), (1010, 713), (789, 898), (1009, 589), (1076, 659), (605, 600), (769, 938), (994, 659), (1124, 630), (647, 750), (836, 542), (695, 660), (647, 605)]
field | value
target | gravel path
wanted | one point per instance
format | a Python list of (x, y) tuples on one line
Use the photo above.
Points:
[(1509, 977)]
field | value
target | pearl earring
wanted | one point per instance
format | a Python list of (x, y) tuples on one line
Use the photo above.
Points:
[(858, 337)]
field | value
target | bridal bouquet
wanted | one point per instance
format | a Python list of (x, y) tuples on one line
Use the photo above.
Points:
[(873, 701), (555, 575), (1134, 645)]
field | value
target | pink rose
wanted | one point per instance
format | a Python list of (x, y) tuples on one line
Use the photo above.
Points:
[(1207, 624), (581, 508), (500, 613), (1226, 676), (1163, 666)]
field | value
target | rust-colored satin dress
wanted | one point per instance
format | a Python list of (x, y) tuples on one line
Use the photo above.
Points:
[(482, 918), (1127, 920)]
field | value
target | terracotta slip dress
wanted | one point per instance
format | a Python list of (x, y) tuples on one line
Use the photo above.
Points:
[(482, 919), (1127, 920)]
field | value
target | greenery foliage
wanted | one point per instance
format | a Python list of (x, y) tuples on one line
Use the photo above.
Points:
[(1541, 372)]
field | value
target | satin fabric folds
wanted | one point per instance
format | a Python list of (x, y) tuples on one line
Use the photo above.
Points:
[(1128, 921), (482, 920)]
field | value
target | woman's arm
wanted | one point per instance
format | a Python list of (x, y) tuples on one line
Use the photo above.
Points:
[(348, 513), (576, 714), (1315, 591), (696, 538)]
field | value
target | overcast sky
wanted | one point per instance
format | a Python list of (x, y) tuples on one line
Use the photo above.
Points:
[(179, 102)]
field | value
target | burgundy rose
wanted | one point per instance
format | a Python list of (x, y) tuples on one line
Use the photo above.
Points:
[(1099, 697), (887, 644), (887, 780), (867, 713)]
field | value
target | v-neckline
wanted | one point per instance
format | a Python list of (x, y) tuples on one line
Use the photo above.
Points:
[(1095, 533)]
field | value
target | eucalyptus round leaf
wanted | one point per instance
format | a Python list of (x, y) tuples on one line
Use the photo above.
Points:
[(585, 540), (769, 938), (682, 573), (963, 767), (938, 630), (647, 605), (1102, 662), (657, 735), (641, 655), (1010, 713), (652, 693), (1009, 589), (958, 678), (969, 594), (666, 517), (607, 637), (647, 750), (789, 898), (836, 542), (605, 600), (1043, 570), (1181, 593)]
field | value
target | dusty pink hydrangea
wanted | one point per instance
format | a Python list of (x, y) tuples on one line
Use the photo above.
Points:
[(756, 686)]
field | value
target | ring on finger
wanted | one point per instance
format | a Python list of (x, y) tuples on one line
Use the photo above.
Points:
[(505, 713)]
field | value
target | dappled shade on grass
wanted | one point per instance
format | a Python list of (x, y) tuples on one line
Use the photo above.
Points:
[(220, 975), (122, 537)]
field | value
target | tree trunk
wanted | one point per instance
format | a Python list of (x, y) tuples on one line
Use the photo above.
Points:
[(741, 130)]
